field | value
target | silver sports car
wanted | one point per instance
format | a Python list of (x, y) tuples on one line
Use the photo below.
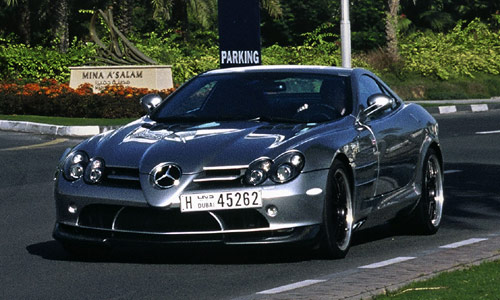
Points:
[(256, 155)]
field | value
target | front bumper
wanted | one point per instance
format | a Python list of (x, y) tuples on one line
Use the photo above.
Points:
[(106, 215)]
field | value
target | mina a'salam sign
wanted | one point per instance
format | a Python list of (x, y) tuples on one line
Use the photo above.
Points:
[(153, 77), (125, 64), (239, 33)]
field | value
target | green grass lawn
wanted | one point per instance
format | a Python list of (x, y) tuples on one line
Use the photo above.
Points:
[(477, 282), (66, 121)]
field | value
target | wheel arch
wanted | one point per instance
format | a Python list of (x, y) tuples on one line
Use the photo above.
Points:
[(342, 157), (427, 145)]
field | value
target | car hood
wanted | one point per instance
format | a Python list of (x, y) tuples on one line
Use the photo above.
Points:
[(144, 144)]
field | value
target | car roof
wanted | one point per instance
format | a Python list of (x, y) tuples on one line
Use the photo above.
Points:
[(284, 68)]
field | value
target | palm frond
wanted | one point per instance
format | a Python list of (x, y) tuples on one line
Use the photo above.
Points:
[(11, 2), (273, 7), (162, 9)]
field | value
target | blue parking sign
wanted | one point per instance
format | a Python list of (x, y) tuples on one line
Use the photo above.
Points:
[(239, 33)]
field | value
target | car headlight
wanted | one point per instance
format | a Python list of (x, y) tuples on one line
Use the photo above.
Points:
[(258, 171), (283, 169), (287, 167), (74, 165), (94, 171)]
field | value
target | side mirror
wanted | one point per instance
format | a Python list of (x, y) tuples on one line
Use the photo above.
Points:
[(376, 104), (150, 102)]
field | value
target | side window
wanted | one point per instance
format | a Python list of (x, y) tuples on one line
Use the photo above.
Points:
[(367, 87), (389, 94)]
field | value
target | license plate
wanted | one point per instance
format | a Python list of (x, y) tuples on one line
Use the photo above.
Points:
[(221, 200)]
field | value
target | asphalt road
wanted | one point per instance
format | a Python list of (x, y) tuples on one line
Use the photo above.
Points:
[(34, 266)]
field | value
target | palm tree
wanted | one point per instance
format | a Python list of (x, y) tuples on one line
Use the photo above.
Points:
[(122, 9), (24, 23), (61, 26), (391, 30), (203, 11)]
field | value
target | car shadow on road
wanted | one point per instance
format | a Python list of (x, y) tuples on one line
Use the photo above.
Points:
[(187, 254)]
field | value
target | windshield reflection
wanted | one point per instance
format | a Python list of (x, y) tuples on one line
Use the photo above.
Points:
[(267, 96)]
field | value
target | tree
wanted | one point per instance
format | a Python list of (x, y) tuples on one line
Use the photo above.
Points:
[(200, 12), (391, 30), (122, 10), (60, 26), (24, 25)]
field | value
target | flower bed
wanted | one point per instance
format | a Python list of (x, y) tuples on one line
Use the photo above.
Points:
[(51, 98)]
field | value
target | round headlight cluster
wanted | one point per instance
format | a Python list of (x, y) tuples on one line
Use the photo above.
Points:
[(78, 165), (287, 167), (94, 170), (258, 171), (283, 169)]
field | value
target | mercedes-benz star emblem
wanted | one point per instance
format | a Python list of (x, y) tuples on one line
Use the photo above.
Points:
[(165, 175)]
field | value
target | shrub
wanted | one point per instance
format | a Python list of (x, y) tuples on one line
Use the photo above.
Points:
[(36, 63), (414, 86), (465, 50), (187, 60)]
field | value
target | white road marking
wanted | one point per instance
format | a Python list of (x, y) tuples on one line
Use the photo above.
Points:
[(488, 132), (452, 171), (290, 287), (387, 262), (462, 243), (49, 143)]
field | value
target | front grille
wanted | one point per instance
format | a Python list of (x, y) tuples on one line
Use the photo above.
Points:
[(221, 174), (122, 177), (145, 219), (242, 219), (153, 220)]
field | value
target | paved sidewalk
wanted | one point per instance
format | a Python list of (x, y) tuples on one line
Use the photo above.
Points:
[(364, 283)]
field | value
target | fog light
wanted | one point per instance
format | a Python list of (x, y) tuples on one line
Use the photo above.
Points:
[(72, 208), (272, 211)]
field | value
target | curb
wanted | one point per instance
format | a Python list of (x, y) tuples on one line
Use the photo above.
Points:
[(58, 130), (454, 106), (450, 109)]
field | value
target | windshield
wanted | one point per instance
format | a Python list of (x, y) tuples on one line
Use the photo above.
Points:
[(279, 97)]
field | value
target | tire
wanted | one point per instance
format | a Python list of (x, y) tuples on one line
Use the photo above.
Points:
[(428, 214), (338, 213)]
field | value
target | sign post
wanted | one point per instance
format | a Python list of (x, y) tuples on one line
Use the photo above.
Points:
[(239, 33)]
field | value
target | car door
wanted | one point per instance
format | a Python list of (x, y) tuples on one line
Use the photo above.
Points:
[(366, 168), (397, 134)]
